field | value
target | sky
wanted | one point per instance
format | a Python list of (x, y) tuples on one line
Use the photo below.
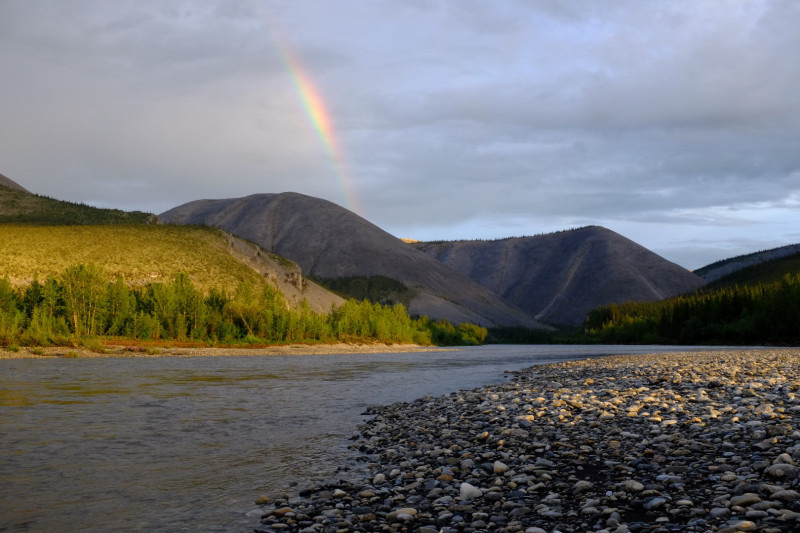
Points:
[(675, 123)]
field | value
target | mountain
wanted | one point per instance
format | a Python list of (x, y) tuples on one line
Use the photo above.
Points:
[(770, 270), (725, 267), (11, 184), (336, 246), (148, 254), (19, 206), (558, 278)]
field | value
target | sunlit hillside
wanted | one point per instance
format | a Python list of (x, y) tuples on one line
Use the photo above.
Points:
[(139, 254)]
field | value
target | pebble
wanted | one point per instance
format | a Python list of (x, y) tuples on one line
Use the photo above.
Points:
[(694, 441)]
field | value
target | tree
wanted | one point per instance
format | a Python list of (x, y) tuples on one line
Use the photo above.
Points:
[(189, 306), (83, 290), (160, 301), (119, 308)]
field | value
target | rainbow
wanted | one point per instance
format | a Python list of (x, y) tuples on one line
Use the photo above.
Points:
[(321, 121)]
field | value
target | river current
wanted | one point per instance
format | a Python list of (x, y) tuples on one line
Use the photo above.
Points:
[(188, 443)]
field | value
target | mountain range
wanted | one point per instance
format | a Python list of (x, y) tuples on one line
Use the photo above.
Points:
[(532, 282), (554, 278), (560, 277), (331, 243)]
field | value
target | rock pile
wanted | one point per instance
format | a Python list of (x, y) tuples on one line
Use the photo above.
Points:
[(670, 442)]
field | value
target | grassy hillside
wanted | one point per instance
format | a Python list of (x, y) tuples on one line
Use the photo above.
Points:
[(22, 207), (139, 254)]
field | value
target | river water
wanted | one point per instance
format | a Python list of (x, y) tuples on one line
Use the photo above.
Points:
[(188, 444)]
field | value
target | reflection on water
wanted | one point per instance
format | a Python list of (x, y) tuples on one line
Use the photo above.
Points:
[(188, 443)]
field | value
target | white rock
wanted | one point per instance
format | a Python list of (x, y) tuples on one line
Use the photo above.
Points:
[(469, 492)]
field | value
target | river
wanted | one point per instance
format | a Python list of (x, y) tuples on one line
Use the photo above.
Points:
[(188, 443)]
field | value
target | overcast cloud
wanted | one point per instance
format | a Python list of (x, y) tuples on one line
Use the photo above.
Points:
[(674, 123)]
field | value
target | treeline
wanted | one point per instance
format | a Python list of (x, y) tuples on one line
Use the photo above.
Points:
[(20, 207), (82, 303), (763, 313)]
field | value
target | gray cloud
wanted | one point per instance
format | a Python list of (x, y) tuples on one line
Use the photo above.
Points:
[(674, 123)]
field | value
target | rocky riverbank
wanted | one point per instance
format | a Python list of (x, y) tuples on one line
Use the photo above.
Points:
[(703, 441)]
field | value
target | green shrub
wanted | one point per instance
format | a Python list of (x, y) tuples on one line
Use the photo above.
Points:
[(82, 304)]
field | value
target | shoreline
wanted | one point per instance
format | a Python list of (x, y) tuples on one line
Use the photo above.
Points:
[(121, 351), (681, 441)]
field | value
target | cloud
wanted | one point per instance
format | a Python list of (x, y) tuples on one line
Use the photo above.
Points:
[(482, 118)]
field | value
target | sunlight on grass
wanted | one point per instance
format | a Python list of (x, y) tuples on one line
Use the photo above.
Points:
[(139, 254)]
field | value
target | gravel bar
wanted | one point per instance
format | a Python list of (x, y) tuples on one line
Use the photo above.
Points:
[(700, 441)]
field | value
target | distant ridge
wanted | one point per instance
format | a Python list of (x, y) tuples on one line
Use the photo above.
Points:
[(331, 243), (768, 271), (560, 277), (11, 184), (725, 267)]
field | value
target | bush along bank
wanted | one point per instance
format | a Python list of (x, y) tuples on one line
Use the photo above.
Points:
[(690, 442), (82, 303)]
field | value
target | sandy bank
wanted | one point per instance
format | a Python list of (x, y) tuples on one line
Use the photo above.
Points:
[(289, 349)]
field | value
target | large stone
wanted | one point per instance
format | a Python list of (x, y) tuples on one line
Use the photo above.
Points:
[(745, 499), (582, 486), (632, 485), (781, 470), (469, 492), (655, 503), (499, 467)]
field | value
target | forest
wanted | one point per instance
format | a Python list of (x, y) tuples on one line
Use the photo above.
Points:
[(757, 313), (82, 303)]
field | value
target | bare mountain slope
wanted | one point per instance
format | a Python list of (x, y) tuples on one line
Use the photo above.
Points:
[(560, 277), (330, 242), (11, 184), (284, 274)]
